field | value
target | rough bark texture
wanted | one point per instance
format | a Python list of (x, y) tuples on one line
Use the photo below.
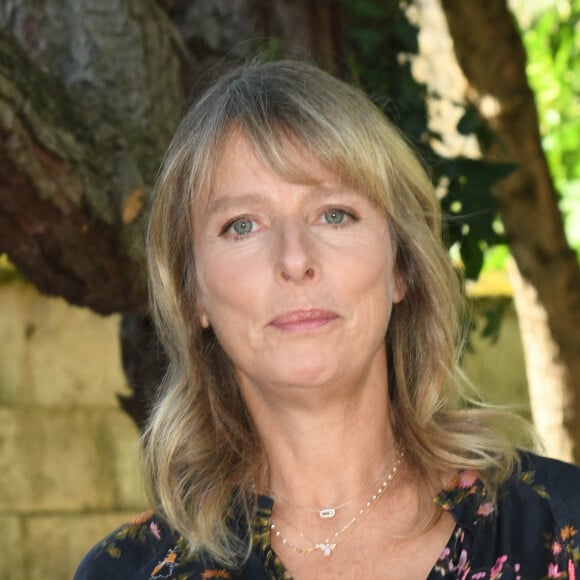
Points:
[(491, 55), (90, 94), (58, 221), (308, 28), (548, 397)]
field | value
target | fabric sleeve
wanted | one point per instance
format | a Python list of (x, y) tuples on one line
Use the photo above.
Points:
[(133, 551)]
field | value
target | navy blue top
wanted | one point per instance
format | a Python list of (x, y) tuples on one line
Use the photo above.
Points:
[(531, 532)]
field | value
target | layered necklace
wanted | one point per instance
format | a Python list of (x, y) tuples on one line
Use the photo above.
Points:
[(328, 546)]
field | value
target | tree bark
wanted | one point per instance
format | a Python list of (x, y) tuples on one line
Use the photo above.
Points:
[(307, 28), (83, 129), (90, 94), (59, 219), (490, 52)]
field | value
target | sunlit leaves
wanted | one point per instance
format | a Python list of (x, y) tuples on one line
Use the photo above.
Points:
[(382, 42), (552, 41)]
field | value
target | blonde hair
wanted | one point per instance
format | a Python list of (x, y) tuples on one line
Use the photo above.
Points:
[(201, 447)]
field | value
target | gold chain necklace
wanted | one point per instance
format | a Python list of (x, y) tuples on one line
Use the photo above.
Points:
[(323, 512), (328, 546)]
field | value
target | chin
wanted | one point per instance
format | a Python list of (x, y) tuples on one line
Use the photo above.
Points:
[(308, 373)]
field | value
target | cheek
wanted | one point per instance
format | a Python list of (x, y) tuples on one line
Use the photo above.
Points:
[(372, 272), (375, 288), (224, 295)]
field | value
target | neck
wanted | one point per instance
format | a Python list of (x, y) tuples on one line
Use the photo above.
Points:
[(323, 445)]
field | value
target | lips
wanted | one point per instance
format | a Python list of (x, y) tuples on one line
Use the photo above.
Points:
[(303, 320)]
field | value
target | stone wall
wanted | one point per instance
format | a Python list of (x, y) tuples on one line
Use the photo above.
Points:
[(496, 364), (69, 459)]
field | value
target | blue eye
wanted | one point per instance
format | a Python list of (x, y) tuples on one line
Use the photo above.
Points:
[(334, 216), (242, 226)]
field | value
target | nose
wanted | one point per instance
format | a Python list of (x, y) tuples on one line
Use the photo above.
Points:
[(296, 259)]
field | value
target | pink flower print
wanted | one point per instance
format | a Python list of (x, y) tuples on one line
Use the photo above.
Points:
[(445, 553), (485, 509), (498, 566), (467, 479), (553, 571), (155, 530), (462, 561), (556, 547), (478, 575), (571, 570)]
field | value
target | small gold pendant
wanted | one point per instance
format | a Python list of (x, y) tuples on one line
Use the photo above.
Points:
[(327, 513)]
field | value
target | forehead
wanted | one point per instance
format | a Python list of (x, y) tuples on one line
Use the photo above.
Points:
[(238, 161)]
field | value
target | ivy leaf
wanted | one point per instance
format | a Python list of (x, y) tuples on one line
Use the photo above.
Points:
[(472, 257)]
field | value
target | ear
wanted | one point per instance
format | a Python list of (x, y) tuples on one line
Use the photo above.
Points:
[(400, 288), (203, 319), (201, 313), (200, 309)]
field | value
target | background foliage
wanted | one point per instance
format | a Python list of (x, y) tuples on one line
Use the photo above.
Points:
[(552, 41), (382, 44), (551, 34)]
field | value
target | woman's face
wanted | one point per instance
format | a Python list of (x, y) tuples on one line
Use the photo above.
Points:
[(296, 279)]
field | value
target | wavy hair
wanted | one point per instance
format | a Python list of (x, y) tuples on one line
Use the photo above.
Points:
[(200, 446)]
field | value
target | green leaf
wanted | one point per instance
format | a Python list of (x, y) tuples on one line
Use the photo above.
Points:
[(472, 257)]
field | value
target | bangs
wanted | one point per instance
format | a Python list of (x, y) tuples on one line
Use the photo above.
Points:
[(284, 148)]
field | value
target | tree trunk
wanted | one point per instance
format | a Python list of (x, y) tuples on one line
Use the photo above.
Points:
[(307, 28), (492, 57), (90, 94)]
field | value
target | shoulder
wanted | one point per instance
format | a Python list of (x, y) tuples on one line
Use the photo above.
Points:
[(560, 477), (555, 483), (143, 544), (532, 525), (539, 510), (147, 549)]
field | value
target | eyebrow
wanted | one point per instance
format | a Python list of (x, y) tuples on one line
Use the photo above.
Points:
[(225, 202)]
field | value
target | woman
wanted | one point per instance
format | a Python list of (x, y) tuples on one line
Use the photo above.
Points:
[(313, 408)]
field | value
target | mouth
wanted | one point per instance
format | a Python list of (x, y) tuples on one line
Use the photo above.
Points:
[(303, 320)]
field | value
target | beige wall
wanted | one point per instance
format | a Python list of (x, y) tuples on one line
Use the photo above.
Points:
[(69, 458), (497, 367)]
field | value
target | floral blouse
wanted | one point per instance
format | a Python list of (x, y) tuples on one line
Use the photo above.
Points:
[(532, 532)]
